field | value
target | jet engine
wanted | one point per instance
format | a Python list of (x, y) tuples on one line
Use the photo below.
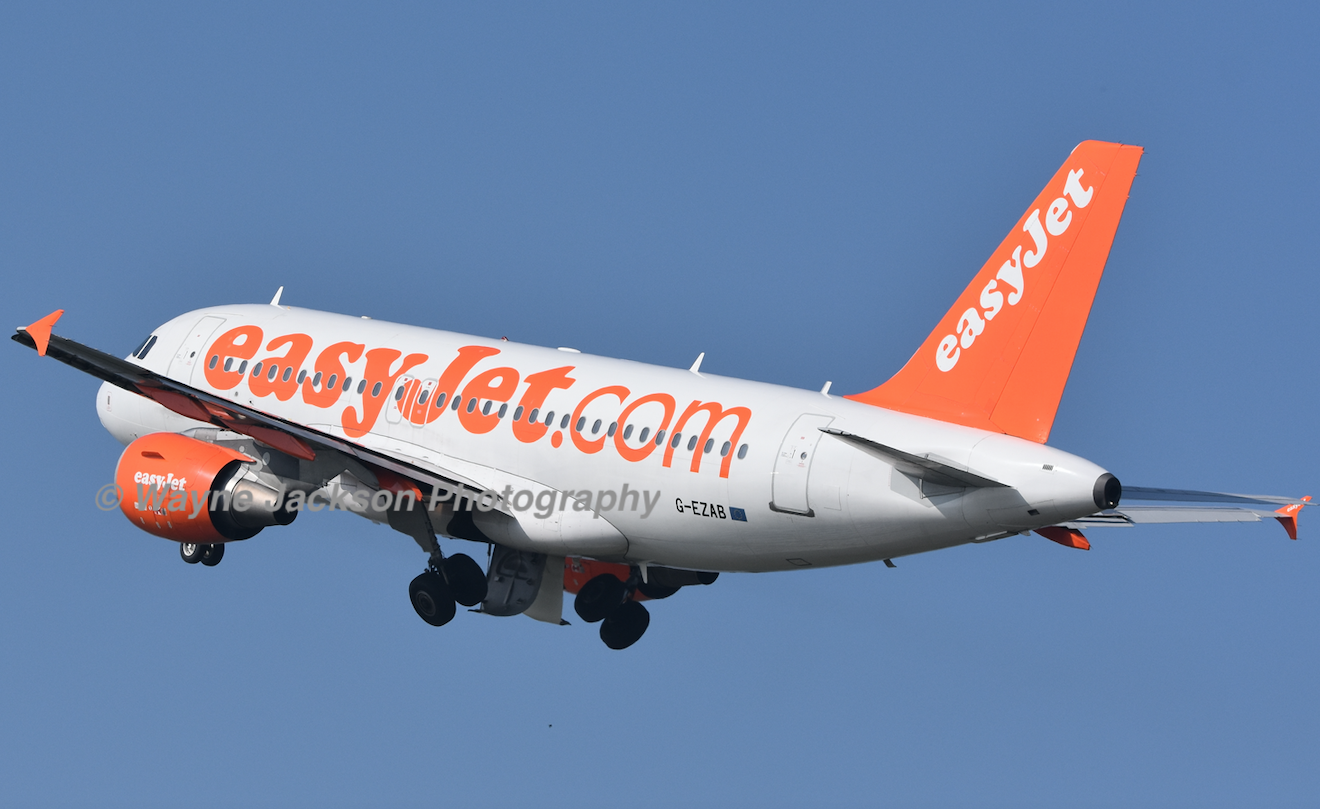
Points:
[(190, 491)]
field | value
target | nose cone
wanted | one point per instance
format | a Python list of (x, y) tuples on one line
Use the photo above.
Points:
[(1107, 492)]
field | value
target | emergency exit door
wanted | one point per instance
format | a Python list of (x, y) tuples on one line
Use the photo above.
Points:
[(788, 486)]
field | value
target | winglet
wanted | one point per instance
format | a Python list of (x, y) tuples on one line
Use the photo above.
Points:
[(1288, 517), (40, 331), (1068, 537)]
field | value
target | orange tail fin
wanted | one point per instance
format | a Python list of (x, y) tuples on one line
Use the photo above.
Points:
[(1000, 358)]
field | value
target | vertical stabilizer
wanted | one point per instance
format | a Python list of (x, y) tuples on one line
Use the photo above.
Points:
[(999, 359)]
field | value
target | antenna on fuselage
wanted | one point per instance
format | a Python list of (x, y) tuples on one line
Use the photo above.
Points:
[(275, 301), (696, 366)]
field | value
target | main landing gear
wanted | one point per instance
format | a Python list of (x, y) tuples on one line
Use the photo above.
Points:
[(209, 555), (608, 600), (447, 582)]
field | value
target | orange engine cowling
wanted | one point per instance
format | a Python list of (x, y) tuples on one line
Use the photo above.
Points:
[(187, 490)]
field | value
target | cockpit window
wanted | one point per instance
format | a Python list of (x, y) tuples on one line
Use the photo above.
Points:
[(146, 346)]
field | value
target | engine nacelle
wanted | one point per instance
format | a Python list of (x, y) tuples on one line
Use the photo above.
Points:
[(187, 490)]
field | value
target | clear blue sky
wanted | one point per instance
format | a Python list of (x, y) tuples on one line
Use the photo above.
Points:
[(798, 191)]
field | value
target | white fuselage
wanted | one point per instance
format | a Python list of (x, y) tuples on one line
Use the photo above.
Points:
[(809, 498)]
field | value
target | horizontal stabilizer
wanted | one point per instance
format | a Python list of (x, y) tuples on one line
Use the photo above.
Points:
[(1188, 496), (1067, 537), (1156, 515), (926, 467), (1196, 507)]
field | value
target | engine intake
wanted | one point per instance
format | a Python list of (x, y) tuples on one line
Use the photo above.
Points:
[(187, 490)]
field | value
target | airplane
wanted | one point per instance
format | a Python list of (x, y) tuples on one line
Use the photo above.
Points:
[(620, 482)]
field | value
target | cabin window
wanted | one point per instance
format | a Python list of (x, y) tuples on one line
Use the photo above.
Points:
[(256, 370), (646, 431), (301, 376), (274, 369), (485, 409), (692, 443), (229, 363), (724, 450), (531, 417), (659, 437), (398, 394), (440, 401), (421, 400), (348, 382), (582, 422), (242, 366), (330, 383), (472, 404), (614, 425), (595, 428), (517, 414), (215, 358), (677, 438), (742, 452), (563, 424), (504, 408)]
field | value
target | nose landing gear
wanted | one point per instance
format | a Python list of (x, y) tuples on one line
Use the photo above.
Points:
[(209, 555)]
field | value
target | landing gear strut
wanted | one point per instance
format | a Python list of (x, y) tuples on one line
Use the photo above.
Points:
[(209, 555), (608, 600), (446, 583)]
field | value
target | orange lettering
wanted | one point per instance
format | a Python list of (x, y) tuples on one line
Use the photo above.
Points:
[(237, 344), (285, 383), (539, 386), (327, 366), (715, 413), (481, 387), (592, 447), (647, 447), (468, 356), (379, 387)]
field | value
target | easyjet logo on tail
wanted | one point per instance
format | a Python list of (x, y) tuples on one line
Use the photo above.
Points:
[(1009, 284)]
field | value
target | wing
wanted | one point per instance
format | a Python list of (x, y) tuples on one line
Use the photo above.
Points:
[(285, 436)]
